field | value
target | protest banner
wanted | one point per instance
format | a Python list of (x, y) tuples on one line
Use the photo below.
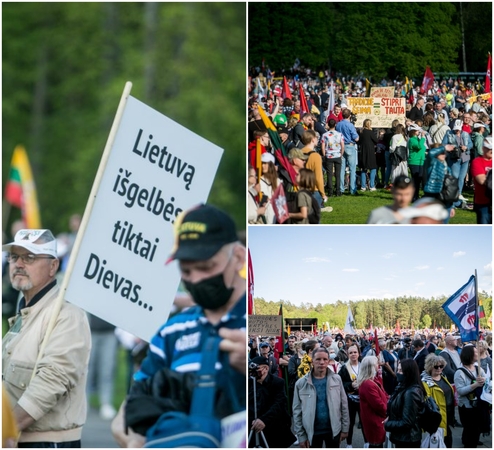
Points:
[(264, 325), (152, 169), (382, 111), (388, 91)]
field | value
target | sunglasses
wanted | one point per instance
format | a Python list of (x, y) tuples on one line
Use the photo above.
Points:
[(439, 367)]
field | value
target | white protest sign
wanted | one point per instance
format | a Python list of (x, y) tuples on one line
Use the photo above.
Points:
[(156, 169)]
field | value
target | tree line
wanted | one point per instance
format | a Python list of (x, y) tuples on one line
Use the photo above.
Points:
[(408, 311), (374, 39), (64, 69)]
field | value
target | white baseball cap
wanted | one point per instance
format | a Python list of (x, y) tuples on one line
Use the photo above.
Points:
[(38, 242)]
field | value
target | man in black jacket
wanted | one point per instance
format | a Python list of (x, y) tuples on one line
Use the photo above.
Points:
[(272, 408), (417, 113), (420, 353)]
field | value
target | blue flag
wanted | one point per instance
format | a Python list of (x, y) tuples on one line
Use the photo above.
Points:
[(460, 307)]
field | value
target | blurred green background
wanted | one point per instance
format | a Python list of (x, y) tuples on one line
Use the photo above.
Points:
[(64, 69)]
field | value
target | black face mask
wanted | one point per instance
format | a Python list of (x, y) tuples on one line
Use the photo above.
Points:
[(210, 293), (400, 377)]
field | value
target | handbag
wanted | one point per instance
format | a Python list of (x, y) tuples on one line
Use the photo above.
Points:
[(434, 440), (354, 398), (199, 428), (450, 191), (429, 417)]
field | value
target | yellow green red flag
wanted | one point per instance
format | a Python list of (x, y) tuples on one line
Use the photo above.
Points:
[(20, 190)]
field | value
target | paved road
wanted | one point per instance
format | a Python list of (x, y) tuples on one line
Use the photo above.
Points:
[(96, 433), (358, 441)]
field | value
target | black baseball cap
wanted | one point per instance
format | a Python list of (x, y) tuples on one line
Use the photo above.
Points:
[(203, 231), (260, 360)]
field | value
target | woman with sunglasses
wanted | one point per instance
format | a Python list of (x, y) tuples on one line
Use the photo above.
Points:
[(438, 387)]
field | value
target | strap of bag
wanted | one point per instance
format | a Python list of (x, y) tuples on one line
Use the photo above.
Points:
[(205, 390), (468, 374)]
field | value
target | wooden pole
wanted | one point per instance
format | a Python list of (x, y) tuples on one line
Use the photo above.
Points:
[(85, 219)]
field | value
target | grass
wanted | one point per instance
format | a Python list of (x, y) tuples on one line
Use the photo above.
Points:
[(354, 209)]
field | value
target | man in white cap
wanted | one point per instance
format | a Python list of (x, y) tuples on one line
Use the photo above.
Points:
[(459, 166), (478, 138), (49, 405), (481, 168)]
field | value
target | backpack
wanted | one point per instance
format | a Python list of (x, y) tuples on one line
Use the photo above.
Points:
[(200, 428), (488, 184), (315, 212), (450, 191)]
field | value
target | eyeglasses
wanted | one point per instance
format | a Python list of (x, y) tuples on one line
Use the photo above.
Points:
[(27, 259), (439, 367)]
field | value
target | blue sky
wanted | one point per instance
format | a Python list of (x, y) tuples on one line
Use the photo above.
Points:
[(323, 264)]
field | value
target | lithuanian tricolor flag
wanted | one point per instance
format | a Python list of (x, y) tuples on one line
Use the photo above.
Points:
[(20, 190)]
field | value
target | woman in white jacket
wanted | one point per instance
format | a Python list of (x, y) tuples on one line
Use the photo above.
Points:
[(398, 153)]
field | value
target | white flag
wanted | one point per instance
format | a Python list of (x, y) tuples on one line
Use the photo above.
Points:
[(349, 324)]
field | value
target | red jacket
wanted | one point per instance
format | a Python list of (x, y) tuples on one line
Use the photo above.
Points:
[(373, 406), (252, 148)]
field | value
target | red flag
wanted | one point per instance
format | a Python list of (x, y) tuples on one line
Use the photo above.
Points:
[(376, 339), (428, 80), (280, 348), (488, 77), (278, 200), (287, 93), (250, 275), (304, 107), (398, 329)]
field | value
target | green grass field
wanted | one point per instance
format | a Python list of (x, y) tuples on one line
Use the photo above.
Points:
[(354, 209)]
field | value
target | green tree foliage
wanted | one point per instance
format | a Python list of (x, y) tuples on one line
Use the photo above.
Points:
[(64, 69), (426, 321), (374, 39), (416, 312)]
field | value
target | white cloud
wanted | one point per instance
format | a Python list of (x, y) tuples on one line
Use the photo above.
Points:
[(421, 283), (389, 255), (488, 269), (422, 267), (315, 259), (440, 268), (351, 270), (458, 254)]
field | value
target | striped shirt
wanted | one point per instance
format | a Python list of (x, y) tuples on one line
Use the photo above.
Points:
[(178, 345)]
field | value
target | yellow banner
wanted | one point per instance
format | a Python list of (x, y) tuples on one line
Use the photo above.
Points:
[(381, 111)]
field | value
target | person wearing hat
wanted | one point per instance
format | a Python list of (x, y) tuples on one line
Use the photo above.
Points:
[(210, 258), (49, 405), (268, 184), (273, 419), (297, 159), (459, 166), (266, 352), (478, 138), (481, 168), (416, 156), (284, 135)]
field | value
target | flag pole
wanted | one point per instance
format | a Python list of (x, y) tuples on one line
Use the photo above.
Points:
[(85, 219), (477, 315)]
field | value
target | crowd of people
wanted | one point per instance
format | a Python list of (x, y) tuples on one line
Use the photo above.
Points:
[(325, 385), (443, 143)]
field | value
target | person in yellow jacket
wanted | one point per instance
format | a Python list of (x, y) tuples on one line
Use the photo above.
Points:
[(438, 387)]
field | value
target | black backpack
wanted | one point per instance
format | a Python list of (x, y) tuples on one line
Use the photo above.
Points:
[(488, 184), (450, 191)]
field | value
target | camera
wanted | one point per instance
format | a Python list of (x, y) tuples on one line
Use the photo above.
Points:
[(353, 118), (253, 370)]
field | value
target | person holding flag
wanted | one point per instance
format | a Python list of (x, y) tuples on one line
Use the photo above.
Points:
[(44, 369)]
